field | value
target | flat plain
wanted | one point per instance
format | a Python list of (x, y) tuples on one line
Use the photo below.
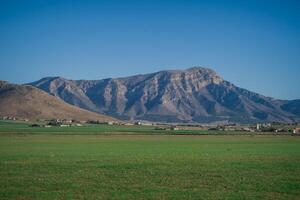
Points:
[(98, 162)]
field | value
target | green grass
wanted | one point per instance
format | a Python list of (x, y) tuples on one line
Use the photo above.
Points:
[(87, 166)]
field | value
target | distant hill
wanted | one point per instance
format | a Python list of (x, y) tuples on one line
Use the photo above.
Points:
[(24, 101), (194, 95)]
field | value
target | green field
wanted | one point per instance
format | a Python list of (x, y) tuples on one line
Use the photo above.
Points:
[(54, 163)]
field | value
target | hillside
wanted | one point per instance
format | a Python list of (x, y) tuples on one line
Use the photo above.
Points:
[(194, 95), (24, 101), (292, 106)]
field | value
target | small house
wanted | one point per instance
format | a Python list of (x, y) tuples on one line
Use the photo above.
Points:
[(138, 123), (296, 131), (55, 122), (128, 124), (64, 125)]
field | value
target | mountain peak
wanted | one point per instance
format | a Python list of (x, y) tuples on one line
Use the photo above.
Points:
[(198, 72), (52, 78), (200, 68), (194, 69)]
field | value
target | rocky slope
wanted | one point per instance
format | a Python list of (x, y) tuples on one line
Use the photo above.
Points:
[(194, 95), (24, 101)]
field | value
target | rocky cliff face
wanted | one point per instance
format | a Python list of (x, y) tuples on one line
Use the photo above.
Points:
[(194, 95)]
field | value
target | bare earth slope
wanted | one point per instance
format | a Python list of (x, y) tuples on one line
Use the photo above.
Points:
[(194, 95), (24, 101)]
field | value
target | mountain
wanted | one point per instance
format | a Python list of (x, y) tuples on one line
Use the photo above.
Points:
[(194, 95), (24, 101)]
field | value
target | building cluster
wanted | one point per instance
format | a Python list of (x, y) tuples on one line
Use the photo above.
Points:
[(14, 118), (264, 127), (64, 123), (275, 127), (259, 127), (168, 128)]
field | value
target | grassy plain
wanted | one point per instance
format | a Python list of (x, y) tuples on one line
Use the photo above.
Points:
[(52, 165)]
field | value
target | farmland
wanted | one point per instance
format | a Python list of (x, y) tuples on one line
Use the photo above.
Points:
[(111, 162)]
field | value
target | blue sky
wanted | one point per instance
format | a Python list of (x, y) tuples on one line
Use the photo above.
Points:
[(253, 44)]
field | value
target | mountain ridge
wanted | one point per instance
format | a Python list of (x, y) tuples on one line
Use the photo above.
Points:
[(197, 94)]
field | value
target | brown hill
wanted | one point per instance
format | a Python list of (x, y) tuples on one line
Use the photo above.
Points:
[(24, 101)]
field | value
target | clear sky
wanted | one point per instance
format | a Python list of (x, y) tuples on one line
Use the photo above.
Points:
[(253, 44)]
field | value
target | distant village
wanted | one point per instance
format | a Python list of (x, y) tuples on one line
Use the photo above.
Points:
[(274, 127)]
